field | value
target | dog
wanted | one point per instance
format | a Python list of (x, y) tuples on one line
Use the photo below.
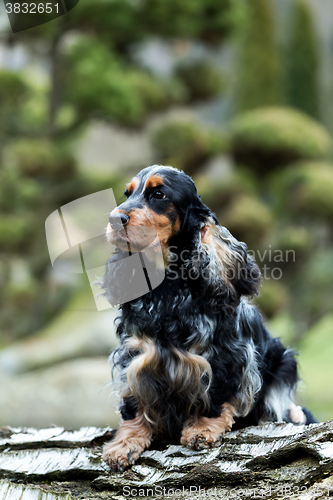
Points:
[(195, 359)]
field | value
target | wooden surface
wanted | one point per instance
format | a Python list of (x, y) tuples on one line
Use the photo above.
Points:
[(270, 461)]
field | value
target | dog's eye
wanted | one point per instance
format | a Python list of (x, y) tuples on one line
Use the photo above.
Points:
[(158, 195)]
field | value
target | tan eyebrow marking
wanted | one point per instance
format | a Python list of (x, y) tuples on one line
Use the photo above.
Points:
[(154, 181), (133, 185)]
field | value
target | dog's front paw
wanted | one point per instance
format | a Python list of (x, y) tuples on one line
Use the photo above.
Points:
[(203, 432), (120, 456), (199, 440)]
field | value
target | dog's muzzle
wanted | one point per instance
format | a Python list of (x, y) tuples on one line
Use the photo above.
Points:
[(118, 221)]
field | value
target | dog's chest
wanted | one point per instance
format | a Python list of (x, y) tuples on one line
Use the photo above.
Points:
[(172, 321), (159, 376)]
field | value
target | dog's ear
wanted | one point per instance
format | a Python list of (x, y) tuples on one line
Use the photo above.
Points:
[(227, 271), (195, 216), (116, 278)]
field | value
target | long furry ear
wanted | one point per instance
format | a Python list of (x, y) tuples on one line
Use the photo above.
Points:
[(226, 270), (116, 278)]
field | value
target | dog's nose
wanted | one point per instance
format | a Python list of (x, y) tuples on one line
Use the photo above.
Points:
[(117, 221)]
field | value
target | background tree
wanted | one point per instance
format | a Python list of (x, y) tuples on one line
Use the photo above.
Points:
[(259, 80), (303, 60), (93, 76)]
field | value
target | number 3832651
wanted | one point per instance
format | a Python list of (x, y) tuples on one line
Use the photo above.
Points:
[(32, 8)]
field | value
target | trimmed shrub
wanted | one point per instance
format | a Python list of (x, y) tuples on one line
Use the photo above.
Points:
[(201, 78), (154, 93), (220, 192), (122, 22), (99, 83), (41, 157), (186, 145), (272, 137), (248, 219), (307, 187)]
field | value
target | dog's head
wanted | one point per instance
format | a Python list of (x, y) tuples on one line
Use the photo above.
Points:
[(157, 200), (163, 207)]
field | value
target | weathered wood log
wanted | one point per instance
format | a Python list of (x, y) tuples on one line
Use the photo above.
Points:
[(270, 461)]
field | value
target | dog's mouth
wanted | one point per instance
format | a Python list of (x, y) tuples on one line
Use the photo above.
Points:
[(132, 238)]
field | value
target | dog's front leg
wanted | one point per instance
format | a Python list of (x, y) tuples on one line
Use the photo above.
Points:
[(203, 432), (132, 438)]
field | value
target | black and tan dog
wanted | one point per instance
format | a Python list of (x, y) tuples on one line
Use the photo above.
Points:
[(195, 359)]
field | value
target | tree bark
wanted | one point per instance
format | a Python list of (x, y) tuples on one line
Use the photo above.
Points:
[(282, 461)]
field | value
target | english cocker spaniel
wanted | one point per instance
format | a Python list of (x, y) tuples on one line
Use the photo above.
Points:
[(195, 359)]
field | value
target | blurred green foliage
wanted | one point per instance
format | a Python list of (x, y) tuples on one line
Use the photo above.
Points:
[(203, 19), (124, 21), (260, 78), (316, 368), (41, 158), (248, 219), (13, 92), (12, 89), (98, 82), (303, 61), (186, 144), (272, 137), (91, 74), (14, 231), (220, 193), (296, 238), (202, 79), (308, 186), (273, 299)]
